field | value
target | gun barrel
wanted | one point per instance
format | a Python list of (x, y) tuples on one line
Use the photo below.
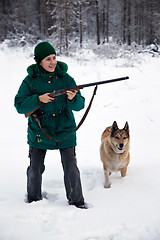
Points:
[(58, 92), (102, 82)]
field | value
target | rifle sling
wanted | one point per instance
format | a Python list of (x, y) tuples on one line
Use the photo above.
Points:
[(39, 124), (78, 126)]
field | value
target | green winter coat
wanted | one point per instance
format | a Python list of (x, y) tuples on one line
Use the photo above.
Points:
[(56, 117)]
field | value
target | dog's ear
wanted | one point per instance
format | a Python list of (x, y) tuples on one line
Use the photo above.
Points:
[(126, 128), (114, 128)]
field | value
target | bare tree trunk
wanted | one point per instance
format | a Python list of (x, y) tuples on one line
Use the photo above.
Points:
[(124, 20), (5, 28), (104, 24), (97, 23), (140, 24), (4, 6), (80, 23), (66, 26), (107, 25), (61, 31), (136, 16), (129, 23), (150, 40), (39, 15)]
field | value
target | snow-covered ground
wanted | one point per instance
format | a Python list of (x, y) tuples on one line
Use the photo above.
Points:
[(130, 209)]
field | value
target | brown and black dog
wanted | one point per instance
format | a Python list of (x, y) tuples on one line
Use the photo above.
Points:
[(114, 151)]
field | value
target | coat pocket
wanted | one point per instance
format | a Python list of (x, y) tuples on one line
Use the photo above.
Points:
[(65, 121)]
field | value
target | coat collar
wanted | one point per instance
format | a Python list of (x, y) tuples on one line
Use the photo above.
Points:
[(35, 70)]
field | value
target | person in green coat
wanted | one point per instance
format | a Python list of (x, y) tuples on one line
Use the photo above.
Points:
[(56, 120)]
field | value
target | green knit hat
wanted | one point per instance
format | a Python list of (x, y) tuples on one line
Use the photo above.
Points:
[(42, 50)]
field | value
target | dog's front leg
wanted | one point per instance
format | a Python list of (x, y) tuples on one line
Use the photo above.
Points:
[(107, 183), (123, 172)]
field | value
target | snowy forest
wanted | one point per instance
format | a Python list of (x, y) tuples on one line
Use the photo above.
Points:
[(98, 40), (77, 23)]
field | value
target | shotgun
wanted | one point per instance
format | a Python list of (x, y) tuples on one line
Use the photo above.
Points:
[(59, 92)]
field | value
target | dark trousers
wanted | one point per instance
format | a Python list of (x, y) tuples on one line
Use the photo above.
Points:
[(71, 175)]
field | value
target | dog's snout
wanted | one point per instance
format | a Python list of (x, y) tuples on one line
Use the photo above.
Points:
[(121, 145)]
